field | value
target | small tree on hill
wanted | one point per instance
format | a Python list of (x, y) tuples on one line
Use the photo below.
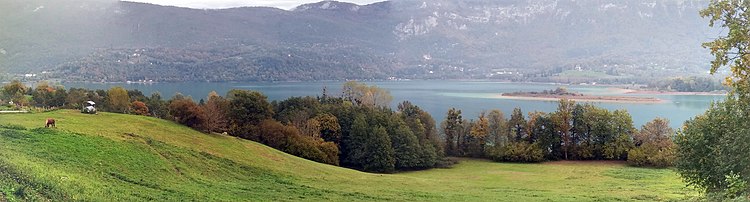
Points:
[(139, 108), (118, 100)]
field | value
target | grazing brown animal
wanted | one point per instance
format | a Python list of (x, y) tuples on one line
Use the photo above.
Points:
[(50, 122)]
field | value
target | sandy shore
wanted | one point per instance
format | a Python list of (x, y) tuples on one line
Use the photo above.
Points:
[(586, 98)]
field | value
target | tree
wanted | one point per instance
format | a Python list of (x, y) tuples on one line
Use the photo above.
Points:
[(498, 128), (517, 125), (368, 148), (216, 110), (621, 141), (330, 130), (653, 145), (118, 100), (563, 119), (139, 108), (363, 95), (531, 134), (464, 138), (186, 112), (45, 95), (20, 99), (296, 110), (422, 126), (581, 132), (656, 130), (601, 132), (136, 95), (379, 151), (732, 49), (14, 87), (405, 146), (479, 132), (16, 92), (76, 97), (543, 129), (42, 94), (246, 110), (713, 146), (451, 127), (157, 106)]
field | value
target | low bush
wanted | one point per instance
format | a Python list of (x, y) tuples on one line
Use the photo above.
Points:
[(288, 139), (650, 155), (517, 152)]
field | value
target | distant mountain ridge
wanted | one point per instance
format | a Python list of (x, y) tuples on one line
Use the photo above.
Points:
[(118, 41)]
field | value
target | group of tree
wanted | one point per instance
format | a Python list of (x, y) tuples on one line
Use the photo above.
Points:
[(17, 94), (688, 84), (370, 136), (713, 147), (116, 99), (573, 132)]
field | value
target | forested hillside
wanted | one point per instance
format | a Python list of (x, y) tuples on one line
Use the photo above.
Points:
[(534, 40)]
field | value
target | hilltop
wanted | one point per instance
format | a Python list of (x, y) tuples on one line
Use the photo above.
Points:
[(133, 158)]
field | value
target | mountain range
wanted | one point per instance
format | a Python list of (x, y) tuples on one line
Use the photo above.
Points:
[(115, 41)]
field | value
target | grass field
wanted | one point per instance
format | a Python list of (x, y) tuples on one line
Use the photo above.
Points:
[(134, 158)]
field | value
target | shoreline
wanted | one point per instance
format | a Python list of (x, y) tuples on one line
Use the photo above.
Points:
[(654, 92), (604, 99)]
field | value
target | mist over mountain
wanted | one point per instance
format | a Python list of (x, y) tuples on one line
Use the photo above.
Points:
[(119, 41)]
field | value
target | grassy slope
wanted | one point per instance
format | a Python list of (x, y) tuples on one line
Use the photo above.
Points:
[(124, 157)]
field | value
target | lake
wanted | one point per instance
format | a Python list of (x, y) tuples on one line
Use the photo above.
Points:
[(437, 97)]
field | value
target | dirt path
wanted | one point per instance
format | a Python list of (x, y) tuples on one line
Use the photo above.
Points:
[(13, 112)]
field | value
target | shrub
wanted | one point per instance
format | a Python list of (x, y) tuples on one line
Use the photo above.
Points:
[(652, 156), (288, 139), (139, 108), (186, 112), (654, 145), (517, 152)]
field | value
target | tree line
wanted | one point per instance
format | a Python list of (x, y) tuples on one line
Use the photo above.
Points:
[(358, 129), (688, 84), (573, 132)]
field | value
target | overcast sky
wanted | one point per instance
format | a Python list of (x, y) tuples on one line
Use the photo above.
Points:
[(283, 4)]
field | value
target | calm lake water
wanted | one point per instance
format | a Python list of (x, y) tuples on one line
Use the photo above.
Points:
[(437, 97)]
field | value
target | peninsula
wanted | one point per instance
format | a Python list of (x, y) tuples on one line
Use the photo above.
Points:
[(563, 93)]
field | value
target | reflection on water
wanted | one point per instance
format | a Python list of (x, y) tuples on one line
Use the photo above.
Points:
[(437, 97)]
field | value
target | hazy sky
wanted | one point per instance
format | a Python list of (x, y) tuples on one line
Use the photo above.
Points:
[(283, 4)]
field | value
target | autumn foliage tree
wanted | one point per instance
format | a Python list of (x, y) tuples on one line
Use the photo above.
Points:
[(363, 95), (139, 108), (289, 139), (216, 110), (187, 112), (653, 145)]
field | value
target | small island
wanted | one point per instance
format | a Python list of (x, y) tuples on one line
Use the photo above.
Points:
[(563, 93)]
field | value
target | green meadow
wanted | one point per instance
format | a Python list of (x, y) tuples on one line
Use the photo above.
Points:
[(134, 158)]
